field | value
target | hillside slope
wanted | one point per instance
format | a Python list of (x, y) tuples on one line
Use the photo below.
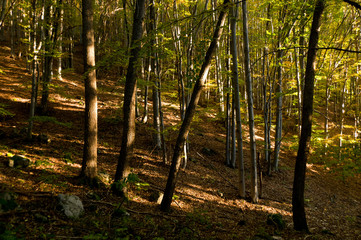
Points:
[(206, 205)]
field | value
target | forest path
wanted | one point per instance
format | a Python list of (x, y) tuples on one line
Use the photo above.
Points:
[(206, 205)]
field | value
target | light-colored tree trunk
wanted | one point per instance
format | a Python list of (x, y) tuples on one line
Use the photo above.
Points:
[(60, 40), (278, 134), (249, 86)]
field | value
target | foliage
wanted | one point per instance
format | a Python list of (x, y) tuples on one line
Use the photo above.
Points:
[(120, 187), (5, 113)]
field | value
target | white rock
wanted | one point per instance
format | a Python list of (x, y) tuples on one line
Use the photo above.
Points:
[(71, 205)]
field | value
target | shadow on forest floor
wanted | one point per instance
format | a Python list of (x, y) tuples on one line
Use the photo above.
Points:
[(206, 204)]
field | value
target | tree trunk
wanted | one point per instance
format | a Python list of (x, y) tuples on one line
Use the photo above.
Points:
[(184, 130), (247, 69), (278, 135), (154, 75), (89, 164), (60, 47), (298, 204), (128, 137), (228, 109), (47, 66), (34, 71), (236, 101)]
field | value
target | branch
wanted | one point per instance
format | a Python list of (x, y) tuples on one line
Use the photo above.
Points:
[(319, 48), (352, 3), (339, 49)]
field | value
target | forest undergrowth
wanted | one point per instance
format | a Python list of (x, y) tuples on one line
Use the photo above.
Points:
[(206, 204)]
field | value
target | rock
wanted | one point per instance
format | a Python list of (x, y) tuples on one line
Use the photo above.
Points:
[(276, 220), (71, 205), (19, 161), (7, 202)]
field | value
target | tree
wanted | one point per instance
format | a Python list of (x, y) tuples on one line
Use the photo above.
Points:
[(89, 164), (247, 69), (298, 205), (128, 137), (184, 130), (236, 101)]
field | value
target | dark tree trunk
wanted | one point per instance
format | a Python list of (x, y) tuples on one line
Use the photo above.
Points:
[(47, 65), (126, 152), (184, 130), (89, 165), (298, 205), (237, 102)]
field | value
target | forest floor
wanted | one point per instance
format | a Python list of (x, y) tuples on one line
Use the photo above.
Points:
[(206, 204)]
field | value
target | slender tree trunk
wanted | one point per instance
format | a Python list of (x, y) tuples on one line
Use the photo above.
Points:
[(278, 135), (34, 71), (247, 69), (236, 101), (89, 164), (228, 109), (154, 75), (266, 104), (126, 152), (12, 33), (47, 60), (60, 47), (184, 130), (298, 204), (298, 80), (146, 88)]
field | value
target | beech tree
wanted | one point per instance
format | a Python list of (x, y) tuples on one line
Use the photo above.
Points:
[(236, 101), (247, 69), (128, 137), (184, 130), (89, 164), (298, 204)]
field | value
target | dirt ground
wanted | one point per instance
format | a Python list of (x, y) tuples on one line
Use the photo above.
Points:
[(206, 204)]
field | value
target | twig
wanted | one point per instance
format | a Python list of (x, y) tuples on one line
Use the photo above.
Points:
[(217, 171)]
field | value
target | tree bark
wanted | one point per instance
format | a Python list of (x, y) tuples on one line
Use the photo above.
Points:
[(247, 69), (236, 101), (89, 164), (298, 205), (184, 130), (128, 137)]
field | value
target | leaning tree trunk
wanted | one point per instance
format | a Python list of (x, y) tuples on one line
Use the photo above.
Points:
[(184, 130), (298, 204), (126, 152), (247, 69), (89, 164)]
